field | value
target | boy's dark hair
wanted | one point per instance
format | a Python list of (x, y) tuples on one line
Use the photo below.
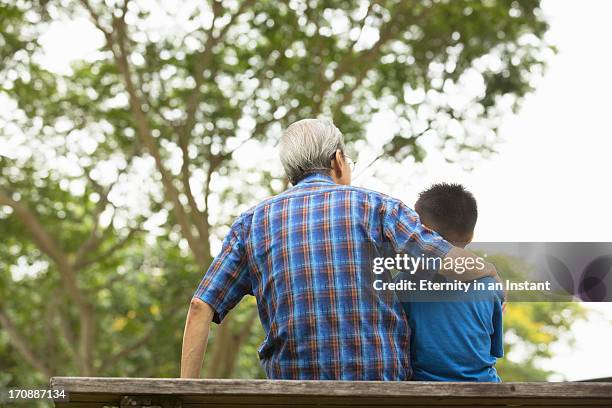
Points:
[(449, 209)]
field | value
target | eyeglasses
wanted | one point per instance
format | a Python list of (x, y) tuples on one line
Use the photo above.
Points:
[(350, 162)]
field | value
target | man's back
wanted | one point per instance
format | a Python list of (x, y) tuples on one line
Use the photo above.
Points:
[(457, 340), (306, 255)]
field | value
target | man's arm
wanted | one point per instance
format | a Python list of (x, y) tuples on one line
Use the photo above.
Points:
[(403, 228), (195, 338), (223, 285), (478, 268)]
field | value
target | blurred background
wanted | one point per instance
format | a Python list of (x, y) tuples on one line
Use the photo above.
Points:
[(133, 132)]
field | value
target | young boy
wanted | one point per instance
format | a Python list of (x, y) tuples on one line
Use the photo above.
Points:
[(455, 340)]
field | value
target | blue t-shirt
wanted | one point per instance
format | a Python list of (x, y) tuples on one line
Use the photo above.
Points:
[(458, 340)]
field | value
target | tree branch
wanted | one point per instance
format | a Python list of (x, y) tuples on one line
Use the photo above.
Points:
[(151, 331), (203, 61), (119, 49), (48, 245), (42, 239), (365, 20), (64, 325), (95, 238), (114, 359), (20, 343), (197, 216), (222, 361), (95, 18), (110, 251), (147, 138), (365, 59)]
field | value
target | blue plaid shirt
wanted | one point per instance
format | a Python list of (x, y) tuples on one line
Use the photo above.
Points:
[(306, 255)]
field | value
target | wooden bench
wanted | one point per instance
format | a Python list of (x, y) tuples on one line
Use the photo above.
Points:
[(174, 393)]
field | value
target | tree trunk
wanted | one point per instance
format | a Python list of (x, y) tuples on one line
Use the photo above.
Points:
[(228, 340)]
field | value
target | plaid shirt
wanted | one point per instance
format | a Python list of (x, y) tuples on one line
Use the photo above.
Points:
[(306, 255)]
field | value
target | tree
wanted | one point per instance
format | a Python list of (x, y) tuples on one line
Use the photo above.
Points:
[(532, 327), (123, 171)]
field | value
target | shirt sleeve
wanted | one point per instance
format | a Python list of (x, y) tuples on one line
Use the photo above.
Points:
[(227, 279), (497, 338), (406, 235)]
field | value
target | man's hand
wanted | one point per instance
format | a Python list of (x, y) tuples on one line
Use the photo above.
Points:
[(195, 338), (478, 269), (476, 272)]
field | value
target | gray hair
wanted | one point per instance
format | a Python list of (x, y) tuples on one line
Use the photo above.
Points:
[(307, 146)]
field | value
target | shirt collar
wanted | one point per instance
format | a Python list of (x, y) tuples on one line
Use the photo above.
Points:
[(316, 178)]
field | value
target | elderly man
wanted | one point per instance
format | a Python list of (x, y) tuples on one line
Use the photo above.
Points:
[(306, 255)]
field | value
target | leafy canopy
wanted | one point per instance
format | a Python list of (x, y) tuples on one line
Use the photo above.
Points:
[(116, 173)]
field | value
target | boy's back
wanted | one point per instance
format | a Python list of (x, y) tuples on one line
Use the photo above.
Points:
[(457, 340), (456, 336)]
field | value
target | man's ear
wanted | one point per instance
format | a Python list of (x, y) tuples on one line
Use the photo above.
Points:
[(337, 165)]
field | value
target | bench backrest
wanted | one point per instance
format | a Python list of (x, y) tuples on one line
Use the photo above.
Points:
[(84, 392)]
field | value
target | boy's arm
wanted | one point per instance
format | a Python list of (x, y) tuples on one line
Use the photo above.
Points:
[(497, 338)]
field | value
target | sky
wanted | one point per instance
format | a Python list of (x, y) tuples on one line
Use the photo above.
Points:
[(547, 181), (553, 154)]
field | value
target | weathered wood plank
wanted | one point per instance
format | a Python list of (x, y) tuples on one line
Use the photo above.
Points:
[(107, 392), (276, 400), (232, 405), (387, 401), (173, 386), (73, 404), (335, 405), (317, 405)]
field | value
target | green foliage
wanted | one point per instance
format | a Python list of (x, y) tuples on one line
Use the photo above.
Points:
[(117, 176), (531, 328)]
